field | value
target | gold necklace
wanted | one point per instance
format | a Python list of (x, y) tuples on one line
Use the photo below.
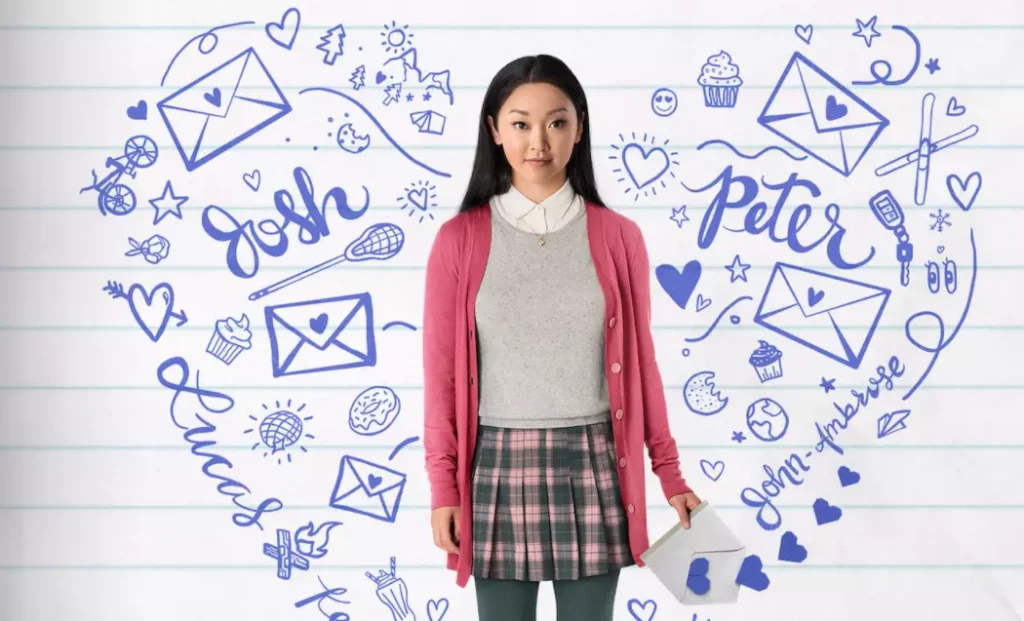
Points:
[(540, 236)]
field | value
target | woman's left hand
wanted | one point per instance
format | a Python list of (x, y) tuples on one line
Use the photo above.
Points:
[(683, 503)]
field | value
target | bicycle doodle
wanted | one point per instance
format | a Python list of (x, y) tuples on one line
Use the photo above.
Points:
[(115, 197)]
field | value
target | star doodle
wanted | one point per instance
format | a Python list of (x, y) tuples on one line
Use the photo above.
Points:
[(828, 384), (866, 30), (738, 437), (161, 207), (737, 266), (932, 66), (680, 213), (426, 96)]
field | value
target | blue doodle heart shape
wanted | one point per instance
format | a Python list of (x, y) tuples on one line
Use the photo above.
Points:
[(804, 32), (848, 477), (636, 609), (833, 109), (964, 191), (702, 302), (374, 480), (213, 97), (814, 296), (151, 311), (380, 77), (825, 513), (953, 108), (252, 180), (751, 574), (712, 470), (697, 577), (418, 198), (437, 609), (319, 323), (139, 111), (278, 31), (650, 165), (679, 285), (790, 549)]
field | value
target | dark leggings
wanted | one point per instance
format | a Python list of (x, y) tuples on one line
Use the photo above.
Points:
[(587, 599)]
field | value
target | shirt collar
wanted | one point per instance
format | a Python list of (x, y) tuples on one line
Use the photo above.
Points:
[(515, 205)]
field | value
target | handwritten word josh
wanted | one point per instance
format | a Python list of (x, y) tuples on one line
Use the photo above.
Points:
[(246, 240), (759, 218), (248, 516)]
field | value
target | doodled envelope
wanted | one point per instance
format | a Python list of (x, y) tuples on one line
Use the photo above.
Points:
[(222, 108), (833, 316), (809, 108), (322, 335), (368, 489)]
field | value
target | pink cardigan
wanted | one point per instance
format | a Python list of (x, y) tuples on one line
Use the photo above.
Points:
[(637, 398)]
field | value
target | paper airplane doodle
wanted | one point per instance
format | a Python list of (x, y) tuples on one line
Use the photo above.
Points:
[(429, 122), (891, 422)]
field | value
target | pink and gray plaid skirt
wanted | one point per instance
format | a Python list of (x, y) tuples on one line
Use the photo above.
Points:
[(547, 505)]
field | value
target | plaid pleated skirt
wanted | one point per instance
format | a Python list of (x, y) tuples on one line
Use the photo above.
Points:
[(547, 504)]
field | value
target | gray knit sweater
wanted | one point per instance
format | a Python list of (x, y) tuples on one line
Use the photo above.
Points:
[(540, 330)]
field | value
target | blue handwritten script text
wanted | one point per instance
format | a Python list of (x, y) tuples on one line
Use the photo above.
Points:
[(249, 516), (246, 240), (828, 432), (759, 218)]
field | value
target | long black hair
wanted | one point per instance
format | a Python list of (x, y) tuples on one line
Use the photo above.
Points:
[(491, 171)]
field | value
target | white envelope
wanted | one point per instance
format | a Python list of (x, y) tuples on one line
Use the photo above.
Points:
[(810, 109), (833, 316), (368, 489), (708, 537), (322, 335), (222, 108)]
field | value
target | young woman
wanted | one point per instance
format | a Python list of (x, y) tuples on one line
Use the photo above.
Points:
[(541, 386)]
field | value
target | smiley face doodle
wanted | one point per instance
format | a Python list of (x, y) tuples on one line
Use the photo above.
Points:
[(664, 102)]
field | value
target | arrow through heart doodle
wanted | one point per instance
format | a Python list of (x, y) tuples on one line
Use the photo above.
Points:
[(153, 310)]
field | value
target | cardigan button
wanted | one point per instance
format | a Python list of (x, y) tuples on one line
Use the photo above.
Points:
[(631, 509), (470, 380), (611, 322), (618, 414), (616, 367), (622, 462)]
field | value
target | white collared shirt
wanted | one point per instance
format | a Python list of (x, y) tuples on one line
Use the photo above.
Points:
[(542, 218)]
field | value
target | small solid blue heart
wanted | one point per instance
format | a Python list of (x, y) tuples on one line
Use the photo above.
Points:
[(697, 578), (825, 513), (848, 477), (790, 549), (751, 574)]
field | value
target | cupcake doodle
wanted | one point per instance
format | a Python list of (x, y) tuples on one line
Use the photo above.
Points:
[(230, 338), (767, 361), (721, 81)]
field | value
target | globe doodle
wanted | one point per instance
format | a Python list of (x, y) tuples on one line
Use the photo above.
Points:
[(767, 420), (280, 430)]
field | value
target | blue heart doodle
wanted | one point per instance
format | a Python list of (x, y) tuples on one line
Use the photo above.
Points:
[(679, 285), (716, 469), (848, 477), (790, 549), (751, 574), (953, 108), (646, 163), (139, 111), (164, 308), (252, 180), (636, 608), (374, 480), (418, 198), (319, 323), (213, 97), (814, 296), (825, 513), (833, 109), (965, 191), (437, 609), (697, 578), (804, 32), (276, 29)]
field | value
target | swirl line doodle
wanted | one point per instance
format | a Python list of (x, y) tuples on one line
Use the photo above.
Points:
[(714, 323), (379, 126), (886, 66), (943, 342), (797, 158)]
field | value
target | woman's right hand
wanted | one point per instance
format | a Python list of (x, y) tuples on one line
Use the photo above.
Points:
[(444, 521)]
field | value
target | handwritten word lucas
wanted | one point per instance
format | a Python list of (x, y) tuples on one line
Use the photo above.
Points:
[(246, 240), (792, 469), (760, 219), (248, 516)]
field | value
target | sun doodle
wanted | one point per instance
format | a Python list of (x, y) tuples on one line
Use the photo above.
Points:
[(397, 39)]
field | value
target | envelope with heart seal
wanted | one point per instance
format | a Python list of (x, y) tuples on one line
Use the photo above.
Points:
[(322, 335), (368, 489), (833, 316), (809, 108), (709, 541), (222, 108)]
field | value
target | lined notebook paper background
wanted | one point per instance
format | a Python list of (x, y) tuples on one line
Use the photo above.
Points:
[(237, 150)]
